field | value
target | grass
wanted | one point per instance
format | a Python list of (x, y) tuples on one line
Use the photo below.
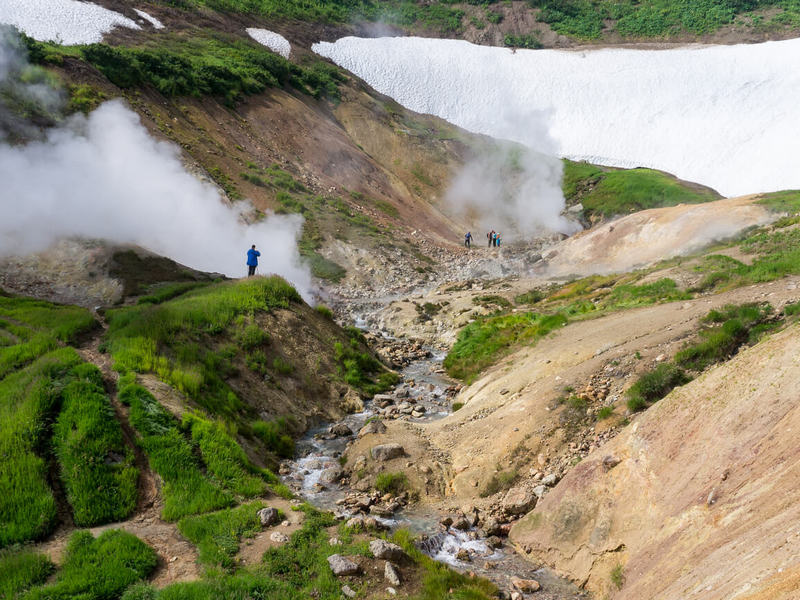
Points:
[(529, 40), (21, 569), (96, 468), (186, 489), (359, 368), (217, 535), (168, 291), (607, 192), (174, 339), (787, 201), (273, 434), (725, 332), (483, 342), (499, 482), (98, 569), (391, 483), (29, 399), (617, 576), (605, 412), (224, 458)]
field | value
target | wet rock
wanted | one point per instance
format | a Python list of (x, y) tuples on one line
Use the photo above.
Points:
[(518, 501), (461, 523), (268, 516), (391, 574), (348, 592), (526, 586), (352, 403), (463, 555), (446, 521), (278, 537), (331, 475), (372, 524), (494, 542), (386, 550), (375, 426), (491, 527), (380, 511), (341, 430), (383, 452), (342, 566)]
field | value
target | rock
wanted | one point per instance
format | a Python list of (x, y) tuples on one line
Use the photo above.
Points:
[(391, 591), (539, 491), (491, 527), (348, 591), (494, 542), (342, 566), (609, 462), (360, 462), (331, 475), (383, 452), (375, 426), (372, 523), (356, 523), (446, 521), (278, 537), (391, 574), (463, 555), (352, 403), (386, 550), (503, 392), (550, 480), (526, 586), (519, 501), (516, 596), (334, 542), (341, 430), (268, 516), (461, 523)]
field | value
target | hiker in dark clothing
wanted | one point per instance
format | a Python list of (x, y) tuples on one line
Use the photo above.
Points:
[(252, 260), (490, 237), (467, 239)]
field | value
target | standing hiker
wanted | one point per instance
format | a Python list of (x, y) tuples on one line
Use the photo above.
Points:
[(497, 238), (467, 239), (252, 260), (490, 237)]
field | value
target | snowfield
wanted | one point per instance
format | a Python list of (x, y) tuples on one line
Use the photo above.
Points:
[(149, 18), (67, 22), (724, 116), (274, 41)]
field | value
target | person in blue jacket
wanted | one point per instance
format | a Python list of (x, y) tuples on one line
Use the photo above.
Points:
[(252, 260)]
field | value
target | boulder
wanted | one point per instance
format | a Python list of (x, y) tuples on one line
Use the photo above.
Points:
[(539, 491), (331, 475), (526, 586), (375, 426), (268, 516), (341, 430), (352, 403), (461, 523), (386, 550), (550, 480), (342, 566), (519, 501), (348, 592), (383, 452), (463, 555), (391, 574)]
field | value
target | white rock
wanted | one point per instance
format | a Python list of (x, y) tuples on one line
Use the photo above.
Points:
[(278, 537)]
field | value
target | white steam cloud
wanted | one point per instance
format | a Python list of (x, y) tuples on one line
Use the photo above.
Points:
[(105, 177)]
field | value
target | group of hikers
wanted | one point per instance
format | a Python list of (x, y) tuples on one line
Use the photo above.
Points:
[(493, 238)]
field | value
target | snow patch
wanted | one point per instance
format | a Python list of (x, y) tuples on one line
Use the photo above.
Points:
[(67, 22), (150, 18), (274, 41), (724, 116)]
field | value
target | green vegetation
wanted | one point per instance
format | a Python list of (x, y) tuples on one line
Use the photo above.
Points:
[(786, 201), (605, 412), (225, 459), (324, 311), (98, 569), (531, 297), (457, 406), (186, 490), (97, 469), (522, 41), (84, 98), (28, 401), (491, 301), (274, 436), (499, 482), (22, 569), (168, 291), (174, 339), (217, 535), (617, 576), (607, 192), (483, 342), (590, 19), (359, 368), (726, 331), (629, 295), (393, 483)]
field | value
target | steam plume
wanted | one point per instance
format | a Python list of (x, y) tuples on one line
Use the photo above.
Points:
[(105, 177)]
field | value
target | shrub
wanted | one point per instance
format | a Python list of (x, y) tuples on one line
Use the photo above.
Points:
[(250, 336), (22, 569), (275, 436), (282, 366), (605, 412), (99, 569), (393, 483), (324, 311), (457, 406), (655, 384)]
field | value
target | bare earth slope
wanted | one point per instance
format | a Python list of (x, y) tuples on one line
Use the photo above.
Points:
[(704, 503)]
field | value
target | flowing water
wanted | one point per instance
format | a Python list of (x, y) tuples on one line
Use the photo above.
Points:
[(318, 451)]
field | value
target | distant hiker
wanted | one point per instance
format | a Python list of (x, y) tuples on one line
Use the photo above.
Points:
[(497, 238), (467, 239), (494, 238), (490, 237), (252, 260)]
